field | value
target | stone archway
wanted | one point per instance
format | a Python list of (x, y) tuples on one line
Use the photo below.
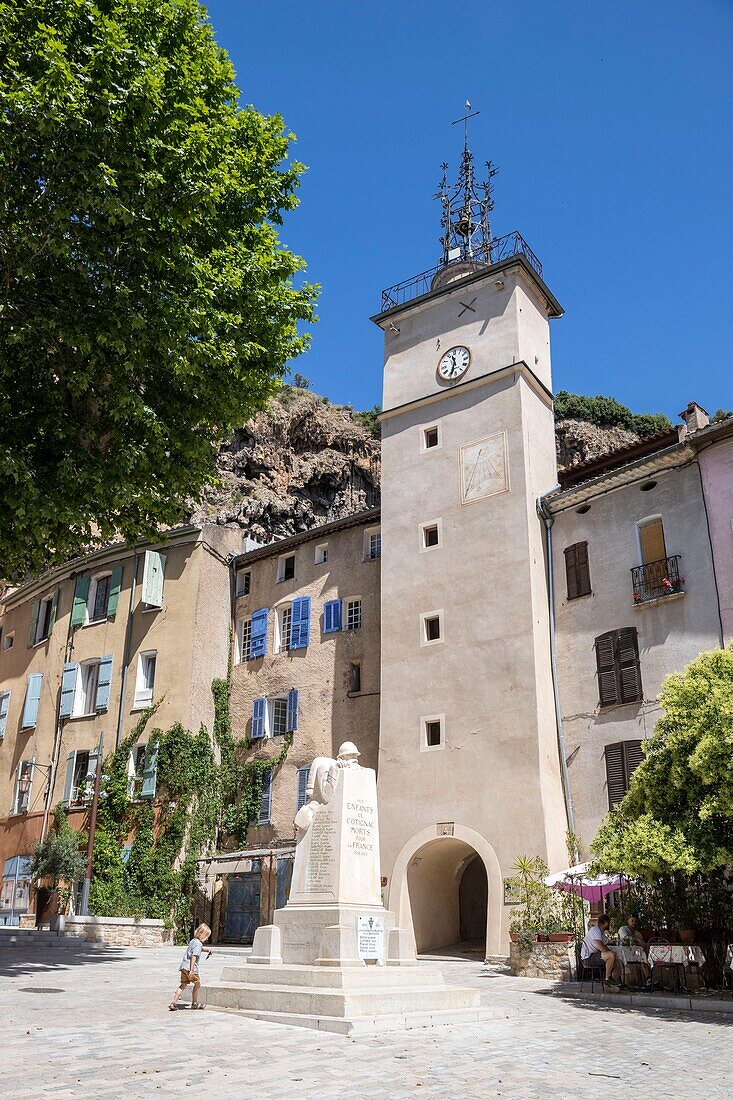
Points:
[(425, 889)]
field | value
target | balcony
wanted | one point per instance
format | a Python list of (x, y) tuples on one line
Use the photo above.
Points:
[(657, 580)]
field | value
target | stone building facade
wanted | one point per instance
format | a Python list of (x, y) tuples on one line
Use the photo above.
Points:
[(83, 650)]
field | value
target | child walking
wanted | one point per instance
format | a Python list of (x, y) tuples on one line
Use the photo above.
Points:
[(190, 967)]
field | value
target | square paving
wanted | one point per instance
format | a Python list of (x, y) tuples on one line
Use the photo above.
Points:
[(108, 1033)]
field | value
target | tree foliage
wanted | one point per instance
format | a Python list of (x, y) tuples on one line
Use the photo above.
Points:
[(59, 856), (606, 412), (678, 812), (146, 305)]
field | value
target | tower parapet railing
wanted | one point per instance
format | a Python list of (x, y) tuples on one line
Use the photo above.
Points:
[(500, 248)]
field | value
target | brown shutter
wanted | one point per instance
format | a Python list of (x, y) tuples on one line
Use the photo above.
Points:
[(633, 756), (651, 536), (628, 663), (608, 689), (615, 773), (571, 571), (582, 568)]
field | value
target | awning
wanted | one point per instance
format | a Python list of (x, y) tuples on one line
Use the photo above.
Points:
[(576, 880)]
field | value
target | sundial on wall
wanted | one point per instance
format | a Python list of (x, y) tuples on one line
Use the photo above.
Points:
[(484, 468)]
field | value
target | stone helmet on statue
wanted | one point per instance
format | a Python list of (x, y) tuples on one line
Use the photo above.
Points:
[(348, 755)]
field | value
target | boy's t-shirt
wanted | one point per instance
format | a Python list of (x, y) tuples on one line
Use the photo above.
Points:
[(190, 960)]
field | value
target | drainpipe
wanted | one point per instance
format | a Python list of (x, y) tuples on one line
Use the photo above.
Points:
[(68, 650), (126, 652), (548, 520)]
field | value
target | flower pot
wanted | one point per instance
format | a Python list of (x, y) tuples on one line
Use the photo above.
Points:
[(687, 935), (561, 937), (514, 937), (58, 923), (542, 937)]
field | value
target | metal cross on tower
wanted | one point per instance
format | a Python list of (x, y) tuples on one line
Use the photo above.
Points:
[(466, 207)]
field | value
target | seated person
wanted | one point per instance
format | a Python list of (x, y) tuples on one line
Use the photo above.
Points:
[(630, 932), (596, 952)]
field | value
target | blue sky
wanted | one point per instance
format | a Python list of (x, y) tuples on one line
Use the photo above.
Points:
[(611, 125)]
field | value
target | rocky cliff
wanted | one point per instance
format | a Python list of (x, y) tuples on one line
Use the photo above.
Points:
[(306, 462)]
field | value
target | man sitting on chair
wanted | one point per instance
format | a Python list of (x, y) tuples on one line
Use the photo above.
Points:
[(596, 952)]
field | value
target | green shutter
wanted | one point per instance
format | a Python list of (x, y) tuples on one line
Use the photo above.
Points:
[(81, 595), (54, 608), (33, 625), (114, 591)]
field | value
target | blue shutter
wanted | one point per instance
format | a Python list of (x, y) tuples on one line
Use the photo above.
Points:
[(104, 683), (32, 698), (258, 638), (259, 707), (125, 852), (300, 623), (302, 786), (81, 595), (332, 616), (150, 772), (68, 688), (69, 781), (291, 723), (266, 804), (4, 704)]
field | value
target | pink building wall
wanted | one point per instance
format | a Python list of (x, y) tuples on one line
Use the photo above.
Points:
[(716, 465)]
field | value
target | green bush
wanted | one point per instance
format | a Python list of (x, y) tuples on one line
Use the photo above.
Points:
[(606, 412)]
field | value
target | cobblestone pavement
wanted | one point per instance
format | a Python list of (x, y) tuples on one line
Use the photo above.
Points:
[(106, 1031)]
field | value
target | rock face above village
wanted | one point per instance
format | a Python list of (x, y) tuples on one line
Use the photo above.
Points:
[(306, 462)]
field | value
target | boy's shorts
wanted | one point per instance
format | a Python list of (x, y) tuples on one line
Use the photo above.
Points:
[(186, 978)]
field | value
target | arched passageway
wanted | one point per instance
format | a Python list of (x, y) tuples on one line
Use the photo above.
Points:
[(448, 891)]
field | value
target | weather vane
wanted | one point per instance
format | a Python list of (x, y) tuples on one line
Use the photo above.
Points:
[(466, 206)]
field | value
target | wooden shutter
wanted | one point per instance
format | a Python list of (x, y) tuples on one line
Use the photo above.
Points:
[(291, 723), (629, 670), (33, 624), (634, 754), (153, 573), (577, 572), (266, 804), (69, 781), (332, 616), (608, 690), (615, 773), (4, 704), (651, 537), (32, 699), (300, 622), (68, 689), (259, 708), (54, 609), (81, 595), (150, 772), (302, 786), (258, 637), (104, 683), (115, 587)]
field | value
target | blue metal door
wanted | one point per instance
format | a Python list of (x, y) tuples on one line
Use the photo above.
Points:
[(243, 906)]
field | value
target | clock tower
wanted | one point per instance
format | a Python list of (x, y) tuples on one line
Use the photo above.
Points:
[(469, 769)]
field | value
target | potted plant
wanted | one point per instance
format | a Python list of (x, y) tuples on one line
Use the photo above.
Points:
[(59, 859)]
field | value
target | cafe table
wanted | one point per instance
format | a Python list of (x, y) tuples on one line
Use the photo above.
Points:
[(676, 956), (631, 955)]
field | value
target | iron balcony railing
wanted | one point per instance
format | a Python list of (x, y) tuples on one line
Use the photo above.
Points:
[(657, 579), (501, 248)]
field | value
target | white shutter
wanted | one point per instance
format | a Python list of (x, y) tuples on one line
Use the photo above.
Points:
[(153, 573)]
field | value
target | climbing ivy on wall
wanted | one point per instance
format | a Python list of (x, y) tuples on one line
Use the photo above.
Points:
[(199, 803)]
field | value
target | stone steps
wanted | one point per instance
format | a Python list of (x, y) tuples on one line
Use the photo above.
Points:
[(374, 1025), (22, 937), (348, 978)]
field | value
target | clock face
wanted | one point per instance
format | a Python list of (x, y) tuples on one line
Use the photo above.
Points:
[(454, 364)]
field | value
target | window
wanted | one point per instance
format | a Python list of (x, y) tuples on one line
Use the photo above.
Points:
[(622, 760), (284, 622), (322, 554), (145, 681), (43, 616), (353, 614), (4, 705), (431, 437), (263, 818), (244, 582), (23, 784), (83, 781), (98, 598), (651, 540), (244, 637), (286, 567), (278, 716), (431, 732), (430, 535), (302, 795), (372, 545), (354, 678), (619, 671), (9, 640), (432, 627), (577, 572), (85, 694)]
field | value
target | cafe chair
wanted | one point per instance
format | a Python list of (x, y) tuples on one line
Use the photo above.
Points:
[(596, 973)]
